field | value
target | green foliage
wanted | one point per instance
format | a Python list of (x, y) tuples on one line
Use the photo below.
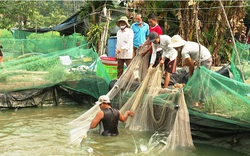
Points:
[(3, 77), (47, 35), (4, 33), (56, 74), (37, 63), (94, 34), (62, 73), (36, 14)]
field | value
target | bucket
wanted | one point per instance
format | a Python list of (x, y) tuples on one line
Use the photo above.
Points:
[(108, 60), (112, 46)]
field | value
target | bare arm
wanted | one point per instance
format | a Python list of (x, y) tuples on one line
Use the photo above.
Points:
[(162, 60), (97, 119), (190, 64), (124, 117), (145, 48)]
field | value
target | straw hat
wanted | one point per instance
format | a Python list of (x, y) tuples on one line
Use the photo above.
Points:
[(177, 41), (125, 19), (103, 99)]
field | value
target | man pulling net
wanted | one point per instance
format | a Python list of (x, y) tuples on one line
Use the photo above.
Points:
[(154, 108)]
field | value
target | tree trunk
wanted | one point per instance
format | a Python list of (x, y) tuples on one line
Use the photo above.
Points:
[(93, 10)]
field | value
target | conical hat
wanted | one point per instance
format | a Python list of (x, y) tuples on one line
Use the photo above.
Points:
[(177, 41)]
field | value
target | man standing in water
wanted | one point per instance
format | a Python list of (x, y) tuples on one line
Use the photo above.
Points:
[(109, 117)]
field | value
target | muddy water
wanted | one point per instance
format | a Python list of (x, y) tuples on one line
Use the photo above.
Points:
[(45, 131)]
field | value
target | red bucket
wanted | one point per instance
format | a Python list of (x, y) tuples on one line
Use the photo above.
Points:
[(109, 61)]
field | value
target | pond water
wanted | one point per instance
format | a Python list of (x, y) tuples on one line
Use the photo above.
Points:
[(45, 131)]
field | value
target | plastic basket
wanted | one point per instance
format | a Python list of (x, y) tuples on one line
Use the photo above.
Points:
[(111, 71)]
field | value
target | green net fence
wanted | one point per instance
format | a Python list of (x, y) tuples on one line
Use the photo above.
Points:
[(218, 107), (241, 62), (44, 60), (221, 98)]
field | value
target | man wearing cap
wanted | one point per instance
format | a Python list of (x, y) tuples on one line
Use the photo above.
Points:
[(193, 53), (109, 117), (124, 46), (168, 57), (141, 31)]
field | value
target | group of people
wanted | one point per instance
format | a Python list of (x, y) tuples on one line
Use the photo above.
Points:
[(129, 40)]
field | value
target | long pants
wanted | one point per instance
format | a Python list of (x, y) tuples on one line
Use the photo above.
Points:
[(120, 66)]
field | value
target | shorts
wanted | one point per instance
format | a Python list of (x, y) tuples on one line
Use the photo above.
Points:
[(158, 58), (170, 66), (1, 59)]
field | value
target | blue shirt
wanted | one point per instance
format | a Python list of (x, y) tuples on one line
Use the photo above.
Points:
[(140, 33)]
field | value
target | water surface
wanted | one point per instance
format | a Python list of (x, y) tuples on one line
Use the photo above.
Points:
[(45, 131)]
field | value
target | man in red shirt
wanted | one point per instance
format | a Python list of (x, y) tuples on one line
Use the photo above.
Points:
[(153, 24), (154, 27)]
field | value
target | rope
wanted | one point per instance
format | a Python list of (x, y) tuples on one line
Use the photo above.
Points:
[(151, 98)]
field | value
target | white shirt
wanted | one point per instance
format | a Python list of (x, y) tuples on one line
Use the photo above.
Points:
[(168, 52), (125, 43), (191, 49)]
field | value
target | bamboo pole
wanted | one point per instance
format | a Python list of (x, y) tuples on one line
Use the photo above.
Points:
[(105, 35), (235, 48), (106, 30)]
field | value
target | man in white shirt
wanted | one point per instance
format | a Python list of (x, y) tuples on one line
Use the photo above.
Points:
[(168, 57), (124, 46), (193, 53)]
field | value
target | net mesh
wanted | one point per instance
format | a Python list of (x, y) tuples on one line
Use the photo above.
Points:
[(43, 60), (154, 107), (223, 99), (216, 99), (240, 62)]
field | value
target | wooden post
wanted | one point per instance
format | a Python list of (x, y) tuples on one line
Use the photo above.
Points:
[(104, 36), (235, 48)]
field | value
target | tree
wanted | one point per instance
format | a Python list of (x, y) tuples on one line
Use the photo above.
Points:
[(202, 21), (36, 14)]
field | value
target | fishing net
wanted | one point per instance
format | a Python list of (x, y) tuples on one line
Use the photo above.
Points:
[(240, 63), (214, 106), (38, 61), (156, 109), (223, 99)]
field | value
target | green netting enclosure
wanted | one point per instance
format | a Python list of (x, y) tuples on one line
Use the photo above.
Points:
[(241, 62), (214, 107), (45, 60), (224, 99)]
